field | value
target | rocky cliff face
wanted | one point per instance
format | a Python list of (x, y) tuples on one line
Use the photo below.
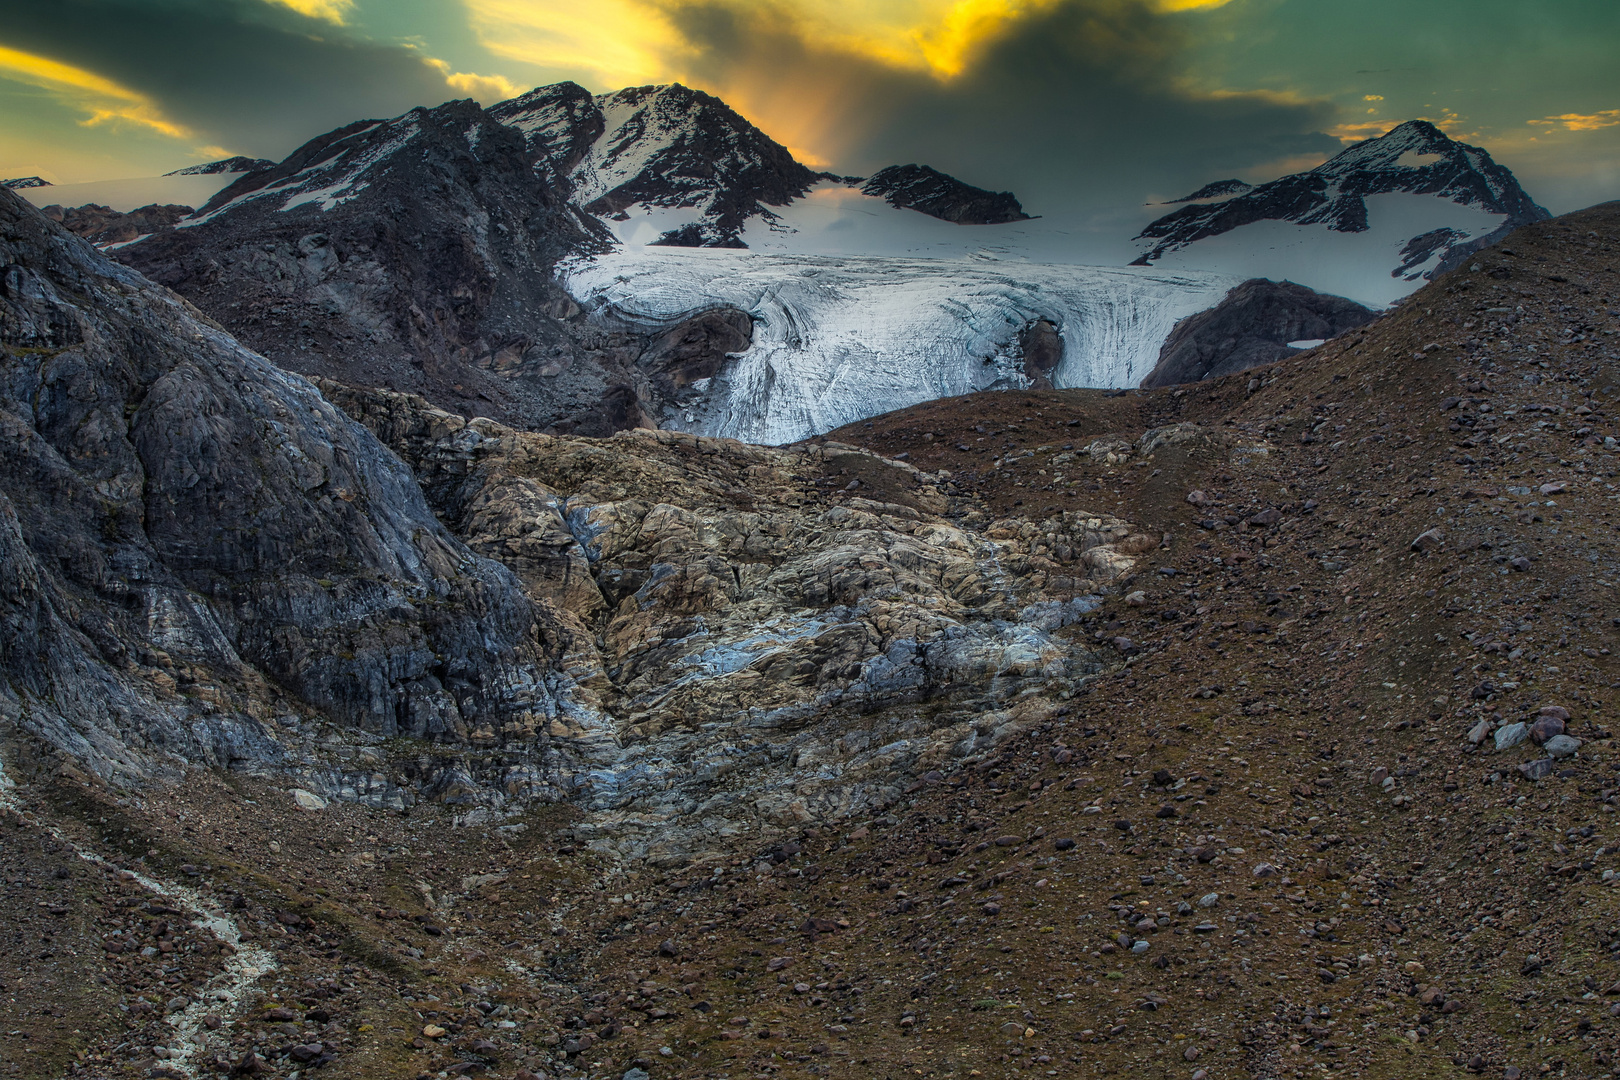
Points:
[(760, 637), (929, 191), (1256, 324), (202, 554)]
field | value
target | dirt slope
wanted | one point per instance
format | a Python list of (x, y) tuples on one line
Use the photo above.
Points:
[(1262, 844)]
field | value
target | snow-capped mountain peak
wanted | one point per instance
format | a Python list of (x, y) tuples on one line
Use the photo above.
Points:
[(670, 147), (1424, 200)]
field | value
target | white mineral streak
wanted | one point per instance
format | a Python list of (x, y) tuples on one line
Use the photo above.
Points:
[(245, 965)]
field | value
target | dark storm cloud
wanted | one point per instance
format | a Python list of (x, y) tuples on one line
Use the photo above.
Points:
[(238, 73), (1083, 103)]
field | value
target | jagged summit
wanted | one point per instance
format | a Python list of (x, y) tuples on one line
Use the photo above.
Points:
[(660, 146), (929, 191), (1414, 159), (238, 164), (1219, 189), (17, 183)]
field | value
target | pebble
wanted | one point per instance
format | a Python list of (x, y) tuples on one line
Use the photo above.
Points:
[(1477, 733), (1539, 769), (307, 800), (635, 1074), (1555, 711), (1063, 844), (1512, 735), (1141, 947), (1428, 540), (1546, 727), (1562, 746), (1265, 869), (1209, 900), (1531, 966)]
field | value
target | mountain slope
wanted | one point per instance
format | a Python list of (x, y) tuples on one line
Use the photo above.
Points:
[(1415, 162), (413, 253)]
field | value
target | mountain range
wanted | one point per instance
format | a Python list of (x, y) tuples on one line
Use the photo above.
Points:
[(537, 209)]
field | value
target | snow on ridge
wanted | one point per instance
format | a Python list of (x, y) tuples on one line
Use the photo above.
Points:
[(840, 338)]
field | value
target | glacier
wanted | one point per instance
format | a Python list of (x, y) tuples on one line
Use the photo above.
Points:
[(841, 338)]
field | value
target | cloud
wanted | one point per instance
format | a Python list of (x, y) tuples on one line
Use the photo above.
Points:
[(1065, 102), (256, 77), (605, 44), (332, 11), (101, 100), (1582, 121), (486, 89)]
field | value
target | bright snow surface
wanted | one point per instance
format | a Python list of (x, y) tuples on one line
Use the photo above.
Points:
[(841, 338), (1357, 265)]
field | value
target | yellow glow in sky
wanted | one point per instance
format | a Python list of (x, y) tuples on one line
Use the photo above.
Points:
[(333, 11), (102, 100), (628, 42), (608, 43), (1583, 121)]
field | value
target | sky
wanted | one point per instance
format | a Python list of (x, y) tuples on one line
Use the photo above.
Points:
[(1101, 104)]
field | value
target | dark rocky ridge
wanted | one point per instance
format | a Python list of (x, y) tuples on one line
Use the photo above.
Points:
[(1217, 189), (236, 164), (1252, 326), (197, 549), (24, 182), (929, 191), (104, 225), (1414, 158)]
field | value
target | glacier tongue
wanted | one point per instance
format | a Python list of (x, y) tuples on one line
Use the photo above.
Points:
[(838, 338)]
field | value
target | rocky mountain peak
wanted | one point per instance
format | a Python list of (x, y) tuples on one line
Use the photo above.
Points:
[(18, 182), (929, 191)]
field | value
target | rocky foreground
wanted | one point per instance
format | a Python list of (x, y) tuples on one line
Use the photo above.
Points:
[(1254, 728)]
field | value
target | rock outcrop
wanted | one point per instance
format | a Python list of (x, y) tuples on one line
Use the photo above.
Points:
[(931, 192), (103, 225), (760, 637), (1256, 324)]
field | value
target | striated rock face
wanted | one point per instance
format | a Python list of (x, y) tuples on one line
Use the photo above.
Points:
[(760, 637), (200, 552), (929, 191), (1254, 325)]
